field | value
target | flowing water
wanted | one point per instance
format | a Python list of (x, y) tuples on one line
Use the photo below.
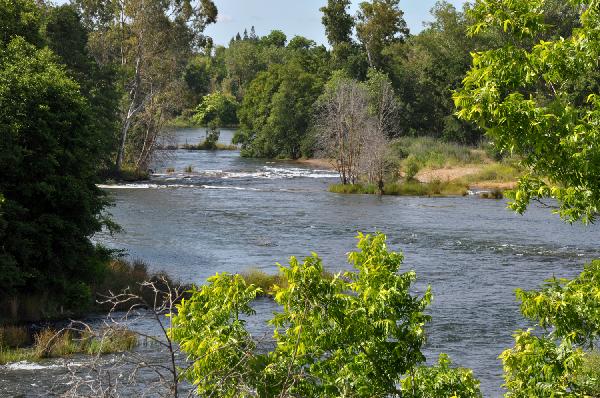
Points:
[(231, 214)]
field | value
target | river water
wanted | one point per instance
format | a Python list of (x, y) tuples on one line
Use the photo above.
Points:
[(231, 214)]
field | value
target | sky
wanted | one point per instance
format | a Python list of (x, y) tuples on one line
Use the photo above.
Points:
[(295, 17)]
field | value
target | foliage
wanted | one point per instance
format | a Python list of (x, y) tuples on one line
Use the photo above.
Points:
[(355, 334), (217, 108), (407, 188), (150, 44), (275, 113), (209, 329), (50, 149), (550, 364), (379, 24), (337, 22), (442, 381), (538, 101)]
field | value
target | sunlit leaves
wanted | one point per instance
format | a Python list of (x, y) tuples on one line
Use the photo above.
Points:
[(550, 364), (442, 381), (357, 334), (537, 101)]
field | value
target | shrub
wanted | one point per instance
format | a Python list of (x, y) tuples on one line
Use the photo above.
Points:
[(411, 167), (357, 334)]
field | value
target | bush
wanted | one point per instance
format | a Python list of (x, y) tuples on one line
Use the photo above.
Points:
[(497, 172), (411, 167), (589, 376), (356, 334), (408, 188)]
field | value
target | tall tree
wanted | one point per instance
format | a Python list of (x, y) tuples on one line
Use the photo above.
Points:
[(337, 21), (540, 103), (50, 148), (66, 35), (529, 97), (150, 41), (379, 24), (275, 113), (342, 123)]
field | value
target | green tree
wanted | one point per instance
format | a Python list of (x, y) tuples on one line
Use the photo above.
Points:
[(197, 75), (441, 381), (276, 39), (22, 18), (150, 42), (551, 363), (49, 152), (531, 101), (275, 113), (218, 107), (529, 97), (337, 21), (379, 24), (355, 334), (67, 37)]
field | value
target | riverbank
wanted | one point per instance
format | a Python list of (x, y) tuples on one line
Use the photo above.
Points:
[(20, 343)]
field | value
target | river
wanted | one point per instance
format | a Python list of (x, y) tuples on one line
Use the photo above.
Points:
[(231, 214)]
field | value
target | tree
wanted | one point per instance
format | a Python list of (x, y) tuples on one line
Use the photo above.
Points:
[(531, 101), (276, 39), (342, 124), (337, 21), (150, 41), (529, 97), (22, 18), (551, 363), (67, 37), (383, 105), (355, 334), (379, 24), (218, 107), (50, 149), (275, 113)]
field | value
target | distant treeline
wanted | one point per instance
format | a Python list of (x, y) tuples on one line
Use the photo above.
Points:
[(277, 80)]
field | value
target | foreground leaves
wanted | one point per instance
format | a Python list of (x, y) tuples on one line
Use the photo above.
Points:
[(358, 334)]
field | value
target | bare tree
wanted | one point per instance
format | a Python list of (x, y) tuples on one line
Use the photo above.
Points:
[(342, 125), (375, 157), (136, 372)]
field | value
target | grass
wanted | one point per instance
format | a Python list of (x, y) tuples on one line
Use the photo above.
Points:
[(432, 153), (206, 146), (189, 169), (407, 188), (496, 172), (183, 121), (49, 343), (124, 275)]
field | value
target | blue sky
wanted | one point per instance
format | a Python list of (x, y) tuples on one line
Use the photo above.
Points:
[(295, 17)]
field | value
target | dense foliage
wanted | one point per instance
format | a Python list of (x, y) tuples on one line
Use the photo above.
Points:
[(537, 96), (552, 363), (357, 334), (276, 111), (541, 101), (50, 152)]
